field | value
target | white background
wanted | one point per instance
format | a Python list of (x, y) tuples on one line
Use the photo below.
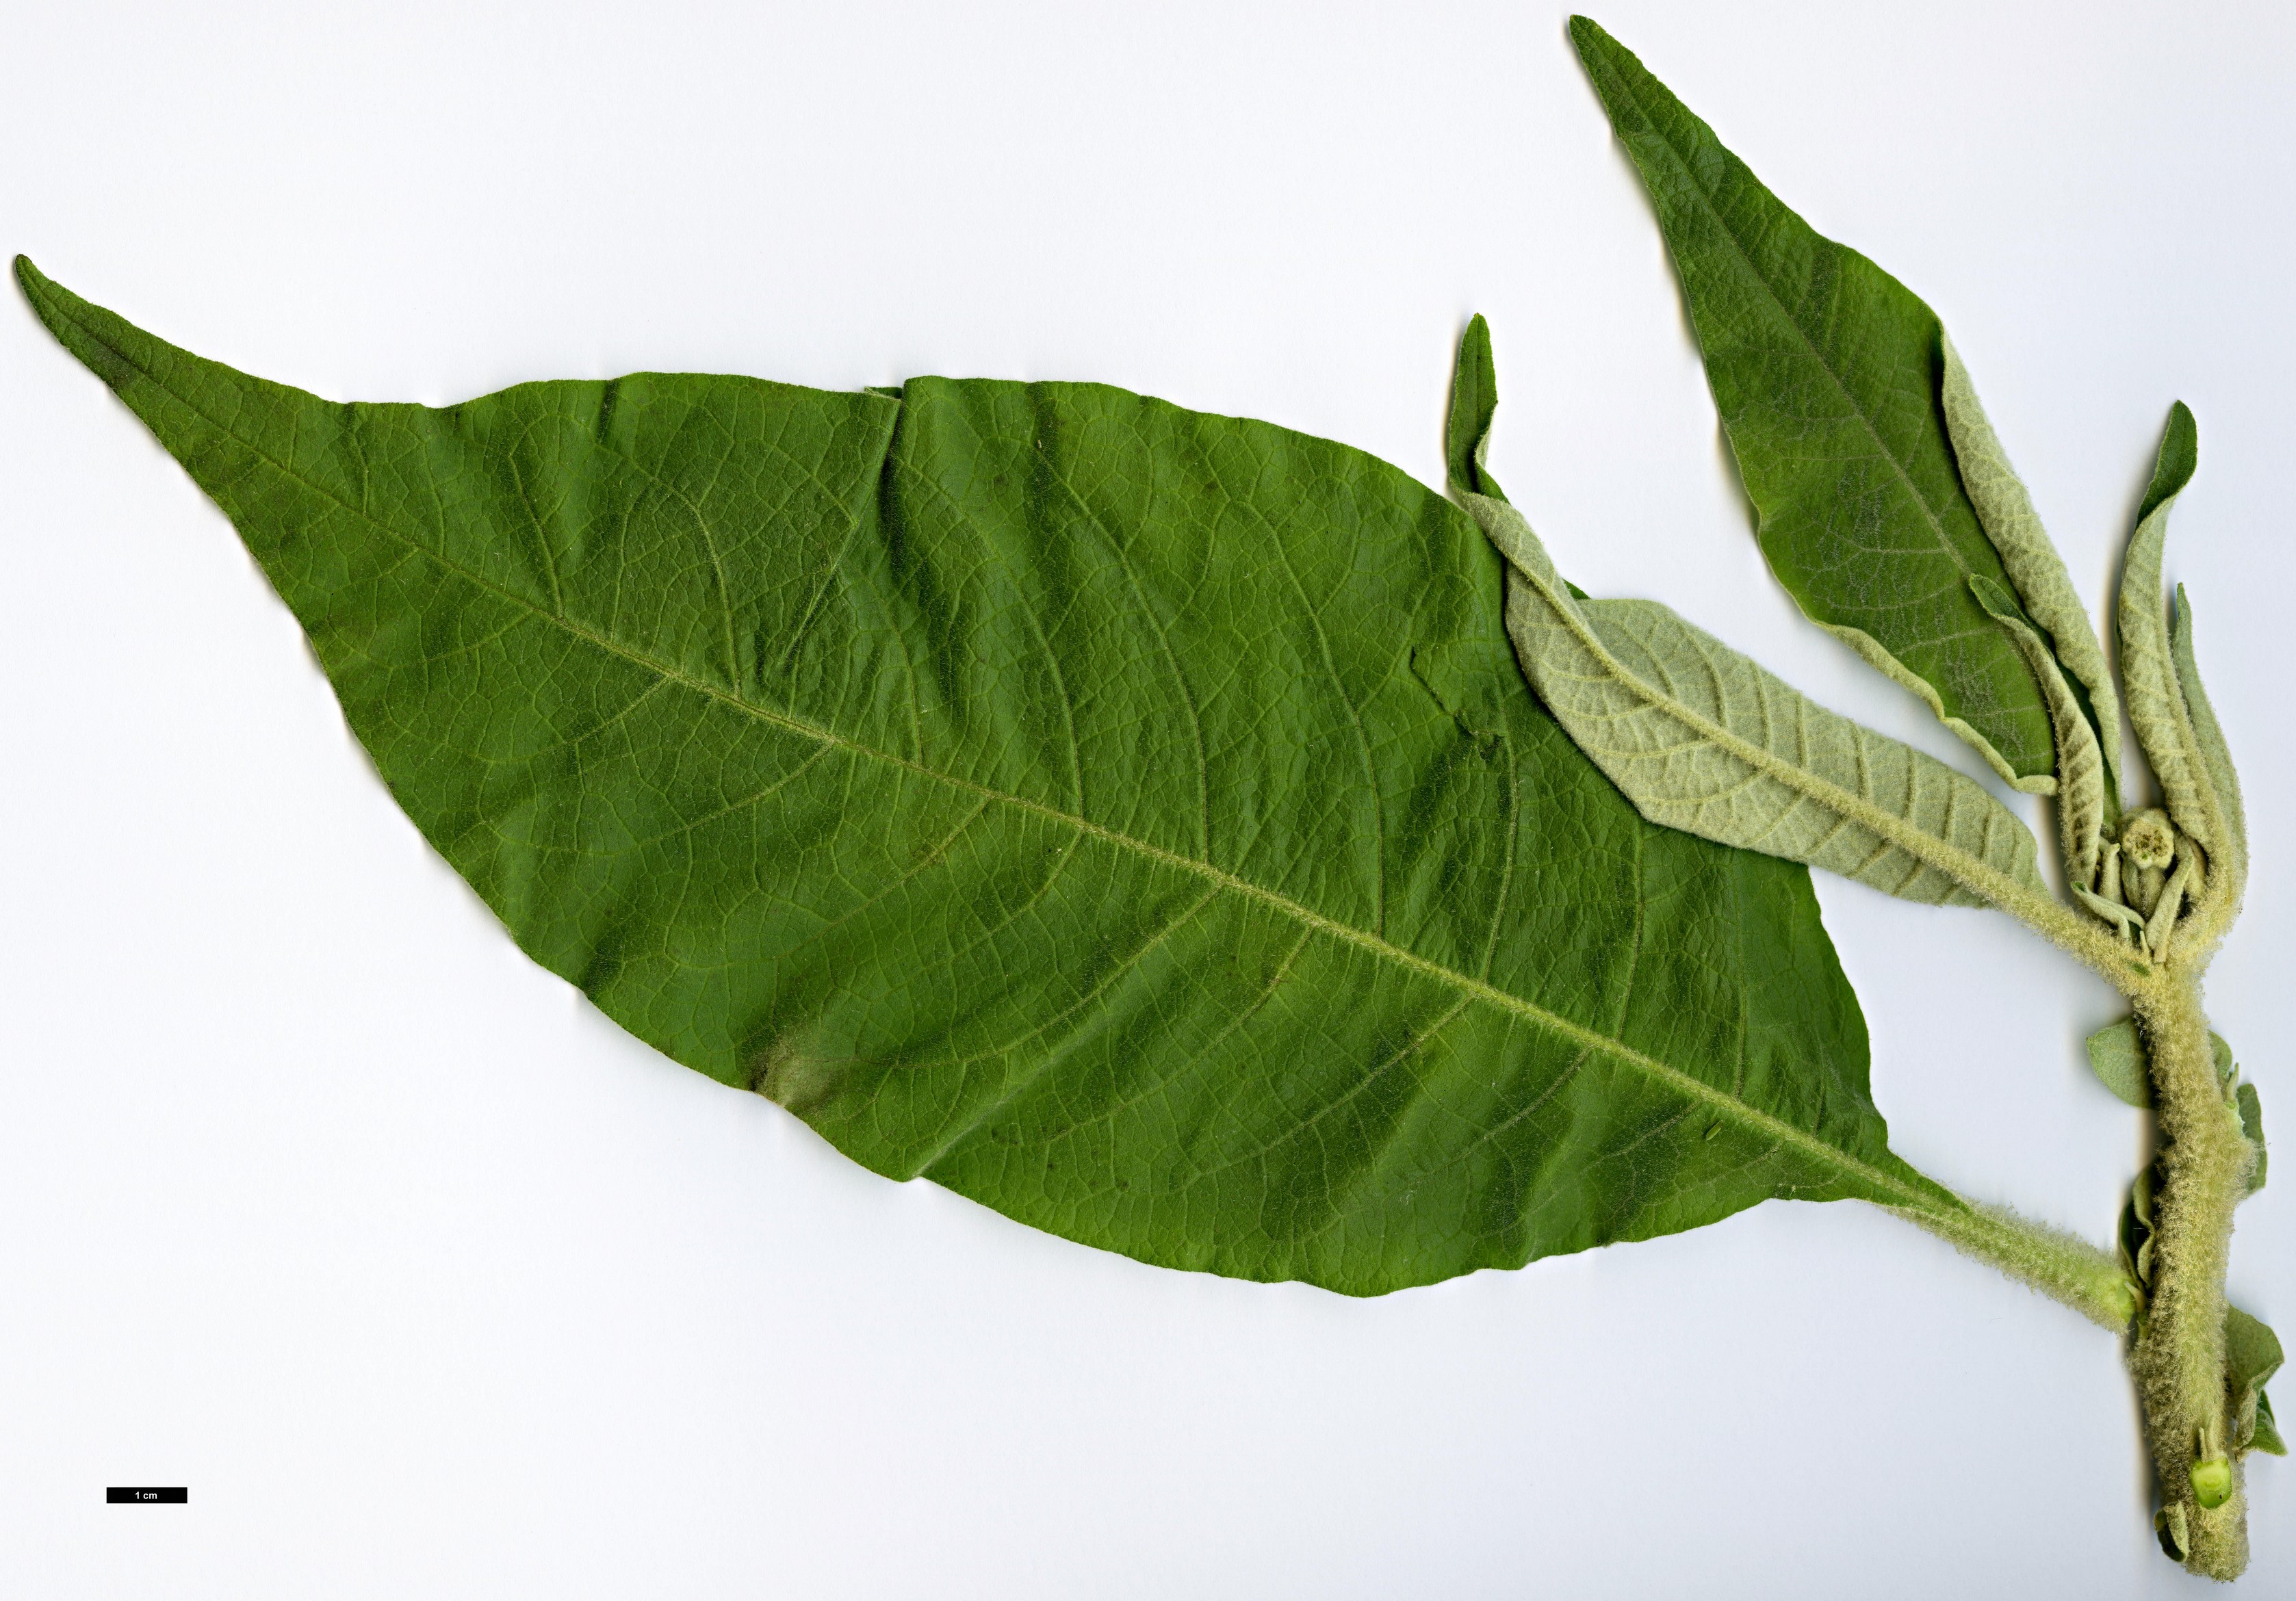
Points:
[(317, 1196)]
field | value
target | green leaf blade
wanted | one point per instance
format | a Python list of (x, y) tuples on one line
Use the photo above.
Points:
[(1474, 398), (1132, 819), (1826, 373)]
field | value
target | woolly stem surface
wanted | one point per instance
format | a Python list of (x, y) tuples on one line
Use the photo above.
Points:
[(2060, 1266), (2178, 1358)]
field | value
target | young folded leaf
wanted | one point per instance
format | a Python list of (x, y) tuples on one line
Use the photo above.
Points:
[(1826, 373), (2116, 1052), (1474, 398), (1129, 818), (2043, 585), (2157, 704), (2266, 1435), (2252, 1356), (2084, 793), (2117, 1056), (2229, 869), (2250, 1106), (1702, 738)]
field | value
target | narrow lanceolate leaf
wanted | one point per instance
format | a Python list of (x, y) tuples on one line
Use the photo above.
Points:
[(1700, 739), (2038, 572), (2266, 1435), (1826, 371), (2156, 704), (2231, 869), (2250, 1106), (1474, 400), (2083, 789), (1129, 818)]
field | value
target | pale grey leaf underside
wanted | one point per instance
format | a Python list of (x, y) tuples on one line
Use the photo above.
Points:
[(1702, 738), (2034, 565)]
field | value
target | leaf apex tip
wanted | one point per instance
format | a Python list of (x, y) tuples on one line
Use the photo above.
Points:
[(1990, 595), (2182, 427), (1475, 340), (38, 287), (1586, 34)]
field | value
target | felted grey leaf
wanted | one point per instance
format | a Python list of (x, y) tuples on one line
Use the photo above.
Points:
[(2156, 701), (2229, 867), (2118, 1059), (2252, 1123), (1702, 738), (2169, 1523), (2084, 796), (2264, 1435), (2034, 565), (2253, 1355)]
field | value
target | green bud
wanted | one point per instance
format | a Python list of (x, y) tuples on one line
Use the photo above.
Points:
[(2148, 839), (2212, 1481)]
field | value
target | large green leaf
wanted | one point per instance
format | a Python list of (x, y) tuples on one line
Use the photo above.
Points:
[(1828, 375), (1132, 819)]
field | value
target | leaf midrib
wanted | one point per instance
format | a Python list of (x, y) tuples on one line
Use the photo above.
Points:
[(1682, 1083)]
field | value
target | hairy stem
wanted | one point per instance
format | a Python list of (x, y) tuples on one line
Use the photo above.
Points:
[(2059, 1265), (2178, 1358)]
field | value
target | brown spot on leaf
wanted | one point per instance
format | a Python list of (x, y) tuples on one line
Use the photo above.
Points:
[(788, 1075)]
